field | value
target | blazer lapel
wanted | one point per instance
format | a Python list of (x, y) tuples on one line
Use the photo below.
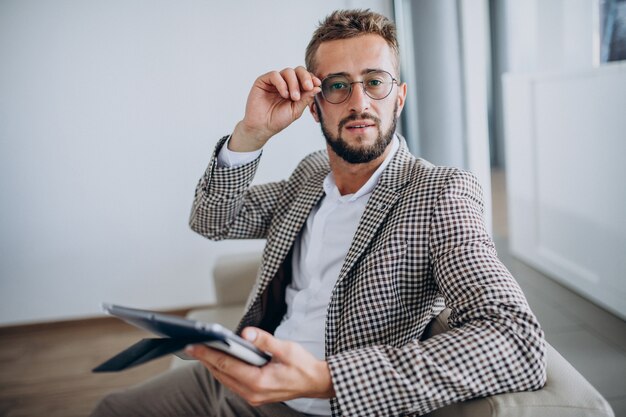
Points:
[(283, 237), (279, 241)]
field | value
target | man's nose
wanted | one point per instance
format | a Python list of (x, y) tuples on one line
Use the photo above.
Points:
[(359, 101)]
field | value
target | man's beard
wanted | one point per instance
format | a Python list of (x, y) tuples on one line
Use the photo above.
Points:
[(362, 154)]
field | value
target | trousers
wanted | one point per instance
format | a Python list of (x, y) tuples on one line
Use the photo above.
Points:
[(187, 391)]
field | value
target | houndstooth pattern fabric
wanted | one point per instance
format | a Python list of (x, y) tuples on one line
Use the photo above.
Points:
[(421, 244)]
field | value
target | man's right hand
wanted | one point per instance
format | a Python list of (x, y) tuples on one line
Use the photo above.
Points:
[(275, 101)]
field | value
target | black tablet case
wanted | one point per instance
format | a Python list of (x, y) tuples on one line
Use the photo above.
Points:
[(144, 351), (148, 349)]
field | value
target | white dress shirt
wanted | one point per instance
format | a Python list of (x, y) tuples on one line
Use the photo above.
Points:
[(318, 256)]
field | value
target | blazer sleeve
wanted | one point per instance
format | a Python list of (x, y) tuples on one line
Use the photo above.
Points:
[(495, 343), (225, 206)]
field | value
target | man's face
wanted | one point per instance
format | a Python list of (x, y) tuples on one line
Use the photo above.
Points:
[(359, 129)]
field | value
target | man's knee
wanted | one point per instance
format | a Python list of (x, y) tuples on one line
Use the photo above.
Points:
[(109, 406)]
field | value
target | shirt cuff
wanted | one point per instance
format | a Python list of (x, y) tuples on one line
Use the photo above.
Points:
[(231, 159)]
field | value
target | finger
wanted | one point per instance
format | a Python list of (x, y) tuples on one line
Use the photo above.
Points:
[(223, 363), (244, 385), (305, 101), (316, 81), (309, 95), (213, 357), (279, 349), (234, 384), (274, 78), (239, 387), (248, 393), (204, 353), (290, 77), (305, 79)]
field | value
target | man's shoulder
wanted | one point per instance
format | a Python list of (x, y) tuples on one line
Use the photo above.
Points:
[(406, 167), (314, 162), (425, 170), (434, 177)]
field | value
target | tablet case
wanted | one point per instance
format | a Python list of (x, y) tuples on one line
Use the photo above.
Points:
[(144, 351), (174, 331)]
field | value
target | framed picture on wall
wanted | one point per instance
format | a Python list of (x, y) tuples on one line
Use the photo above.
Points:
[(610, 33)]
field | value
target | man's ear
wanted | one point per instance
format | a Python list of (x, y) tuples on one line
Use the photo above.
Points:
[(314, 109), (402, 88)]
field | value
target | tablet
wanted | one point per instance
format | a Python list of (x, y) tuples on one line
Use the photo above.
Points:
[(175, 327)]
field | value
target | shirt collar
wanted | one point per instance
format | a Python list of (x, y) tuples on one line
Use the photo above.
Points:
[(330, 187)]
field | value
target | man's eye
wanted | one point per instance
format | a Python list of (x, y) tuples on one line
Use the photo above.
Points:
[(338, 86), (375, 83)]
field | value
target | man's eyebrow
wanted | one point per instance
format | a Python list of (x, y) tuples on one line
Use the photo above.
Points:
[(370, 70), (338, 74), (345, 74)]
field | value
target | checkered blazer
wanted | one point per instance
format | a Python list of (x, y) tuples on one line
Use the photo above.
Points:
[(421, 244)]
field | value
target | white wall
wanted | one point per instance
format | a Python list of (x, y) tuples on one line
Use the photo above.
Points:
[(108, 113), (565, 171), (537, 36), (564, 130), (545, 35)]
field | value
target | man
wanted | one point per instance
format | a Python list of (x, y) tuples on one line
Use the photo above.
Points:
[(365, 245)]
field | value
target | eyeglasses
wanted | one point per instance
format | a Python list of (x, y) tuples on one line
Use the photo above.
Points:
[(376, 84)]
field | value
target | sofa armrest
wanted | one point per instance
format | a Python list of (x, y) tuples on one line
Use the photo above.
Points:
[(566, 393)]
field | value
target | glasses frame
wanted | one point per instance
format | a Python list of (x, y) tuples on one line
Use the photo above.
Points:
[(362, 82)]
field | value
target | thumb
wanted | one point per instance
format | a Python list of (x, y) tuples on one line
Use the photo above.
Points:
[(266, 342), (306, 99)]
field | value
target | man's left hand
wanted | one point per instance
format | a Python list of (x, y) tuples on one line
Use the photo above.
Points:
[(292, 373)]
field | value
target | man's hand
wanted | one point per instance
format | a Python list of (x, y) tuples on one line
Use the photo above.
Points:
[(275, 101), (292, 373)]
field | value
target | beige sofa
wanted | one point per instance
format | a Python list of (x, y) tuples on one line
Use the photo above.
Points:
[(566, 393)]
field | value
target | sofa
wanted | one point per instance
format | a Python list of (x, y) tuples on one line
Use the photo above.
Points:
[(566, 393)]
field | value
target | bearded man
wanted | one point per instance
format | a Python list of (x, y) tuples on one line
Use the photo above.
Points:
[(365, 246)]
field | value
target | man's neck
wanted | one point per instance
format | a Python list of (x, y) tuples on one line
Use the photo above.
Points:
[(349, 177)]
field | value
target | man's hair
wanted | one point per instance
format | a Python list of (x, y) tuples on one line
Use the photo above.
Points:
[(346, 24)]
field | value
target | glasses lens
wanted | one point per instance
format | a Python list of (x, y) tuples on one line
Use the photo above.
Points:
[(336, 89), (378, 84)]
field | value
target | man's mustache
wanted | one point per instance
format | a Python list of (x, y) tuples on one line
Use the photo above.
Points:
[(362, 116)]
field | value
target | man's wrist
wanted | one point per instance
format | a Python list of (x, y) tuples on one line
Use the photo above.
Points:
[(325, 387), (232, 159), (245, 139)]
